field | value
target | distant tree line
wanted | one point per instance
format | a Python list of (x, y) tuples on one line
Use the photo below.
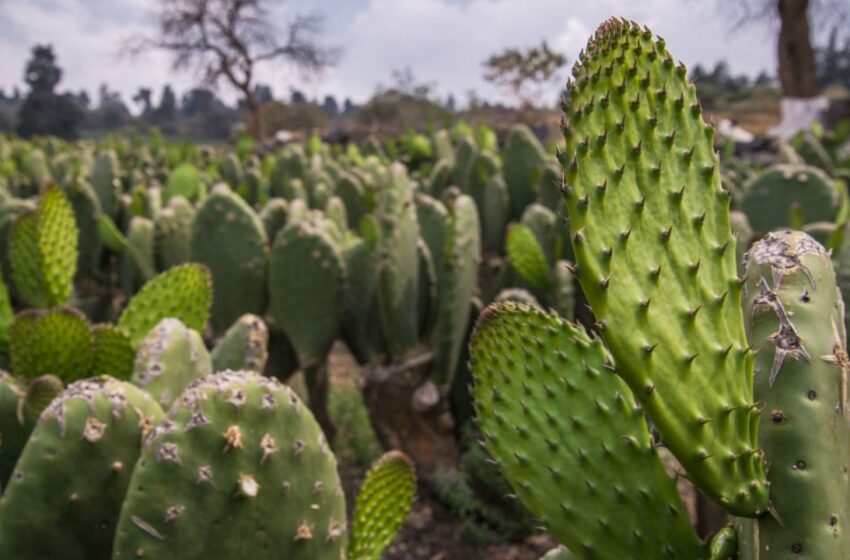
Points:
[(197, 113)]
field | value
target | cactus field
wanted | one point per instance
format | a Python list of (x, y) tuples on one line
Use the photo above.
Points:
[(629, 343)]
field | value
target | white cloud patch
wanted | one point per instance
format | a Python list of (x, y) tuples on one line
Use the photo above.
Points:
[(443, 41)]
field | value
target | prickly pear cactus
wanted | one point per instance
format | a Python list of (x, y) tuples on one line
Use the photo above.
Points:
[(57, 341), (306, 277), (795, 319), (169, 358), (16, 423), (236, 451), (43, 251), (567, 434), (173, 233), (229, 238), (243, 346), (771, 199), (382, 506), (40, 393), (522, 157), (398, 263), (458, 284), (183, 181), (67, 489), (183, 292), (57, 245), (526, 256), (7, 315), (113, 352), (656, 257)]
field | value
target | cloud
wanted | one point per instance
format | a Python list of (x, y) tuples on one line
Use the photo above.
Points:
[(439, 40)]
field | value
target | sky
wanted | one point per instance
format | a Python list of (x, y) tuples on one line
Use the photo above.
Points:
[(441, 41)]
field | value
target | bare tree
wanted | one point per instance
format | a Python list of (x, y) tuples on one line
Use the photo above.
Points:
[(524, 72), (225, 40)]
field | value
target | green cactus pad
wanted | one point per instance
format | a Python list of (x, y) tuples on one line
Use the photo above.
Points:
[(544, 224), (433, 218), (522, 158), (229, 238), (40, 393), (274, 215), (7, 315), (104, 179), (306, 276), (656, 257), (183, 181), (169, 358), (138, 262), (382, 506), (398, 263), (16, 423), (25, 260), (113, 352), (494, 214), (570, 438), (772, 198), (360, 326), (183, 292), (349, 189), (796, 323), (110, 235), (56, 341), (241, 453), (244, 346), (526, 257), (66, 492), (174, 233), (57, 245), (458, 284), (86, 207)]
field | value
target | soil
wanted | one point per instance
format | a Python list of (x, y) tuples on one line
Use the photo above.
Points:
[(431, 534)]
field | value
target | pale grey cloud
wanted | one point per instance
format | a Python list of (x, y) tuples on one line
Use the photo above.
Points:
[(440, 40)]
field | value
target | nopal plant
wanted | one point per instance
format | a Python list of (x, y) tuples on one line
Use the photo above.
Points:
[(744, 379)]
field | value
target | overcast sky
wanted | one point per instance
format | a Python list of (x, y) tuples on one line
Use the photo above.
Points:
[(442, 41)]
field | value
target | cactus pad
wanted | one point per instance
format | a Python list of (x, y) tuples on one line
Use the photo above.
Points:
[(569, 437), (306, 276), (796, 323), (382, 506), (244, 346), (241, 453), (183, 292), (656, 256), (66, 492), (230, 239), (57, 341)]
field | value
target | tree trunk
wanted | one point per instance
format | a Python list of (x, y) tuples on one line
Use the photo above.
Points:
[(797, 72), (409, 413), (255, 123)]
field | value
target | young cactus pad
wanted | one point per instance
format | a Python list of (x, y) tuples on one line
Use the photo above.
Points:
[(183, 292), (796, 322), (241, 455), (66, 491), (569, 437), (656, 257), (382, 506)]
